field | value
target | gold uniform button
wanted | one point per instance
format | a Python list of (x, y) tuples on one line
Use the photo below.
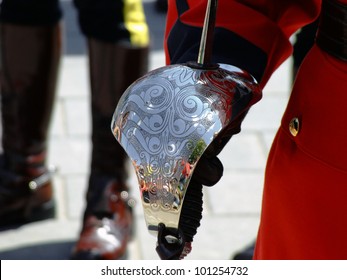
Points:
[(294, 126)]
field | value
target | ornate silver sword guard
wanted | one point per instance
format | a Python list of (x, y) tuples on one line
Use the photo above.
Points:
[(167, 119)]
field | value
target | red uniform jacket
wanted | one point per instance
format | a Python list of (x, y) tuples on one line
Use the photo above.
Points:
[(304, 211)]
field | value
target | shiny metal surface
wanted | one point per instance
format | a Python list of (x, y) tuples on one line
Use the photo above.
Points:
[(206, 42), (294, 126), (166, 120)]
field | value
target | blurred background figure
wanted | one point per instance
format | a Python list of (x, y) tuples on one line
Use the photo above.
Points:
[(161, 5), (30, 51)]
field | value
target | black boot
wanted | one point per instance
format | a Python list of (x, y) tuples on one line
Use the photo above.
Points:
[(113, 67), (29, 66)]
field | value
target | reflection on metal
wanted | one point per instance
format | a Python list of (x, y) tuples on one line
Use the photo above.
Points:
[(166, 120), (294, 126)]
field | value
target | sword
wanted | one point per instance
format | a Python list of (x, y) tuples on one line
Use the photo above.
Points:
[(206, 42), (166, 121)]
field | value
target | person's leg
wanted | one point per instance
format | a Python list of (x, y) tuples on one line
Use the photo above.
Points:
[(117, 38), (30, 49)]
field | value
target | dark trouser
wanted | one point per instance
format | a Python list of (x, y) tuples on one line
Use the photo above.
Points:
[(117, 58), (99, 19)]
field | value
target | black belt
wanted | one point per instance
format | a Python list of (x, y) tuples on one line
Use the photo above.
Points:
[(332, 31)]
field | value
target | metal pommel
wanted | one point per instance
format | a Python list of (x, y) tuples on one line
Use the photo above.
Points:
[(167, 119)]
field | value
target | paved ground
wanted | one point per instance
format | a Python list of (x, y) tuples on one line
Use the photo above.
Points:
[(231, 208)]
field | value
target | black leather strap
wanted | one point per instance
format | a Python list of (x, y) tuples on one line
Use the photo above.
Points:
[(332, 31)]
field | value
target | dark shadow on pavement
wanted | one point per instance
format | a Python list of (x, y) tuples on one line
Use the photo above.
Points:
[(50, 251)]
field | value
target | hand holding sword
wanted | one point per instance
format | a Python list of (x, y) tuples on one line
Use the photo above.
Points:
[(173, 122)]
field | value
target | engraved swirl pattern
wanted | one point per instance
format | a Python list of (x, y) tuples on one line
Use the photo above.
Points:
[(165, 121)]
